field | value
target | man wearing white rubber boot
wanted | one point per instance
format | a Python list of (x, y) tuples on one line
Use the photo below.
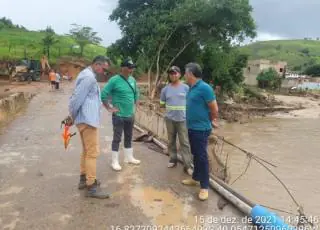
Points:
[(124, 93)]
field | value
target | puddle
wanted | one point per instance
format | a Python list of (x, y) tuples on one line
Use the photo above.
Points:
[(11, 190), (162, 206)]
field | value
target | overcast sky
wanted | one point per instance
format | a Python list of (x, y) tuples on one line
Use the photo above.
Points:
[(275, 19)]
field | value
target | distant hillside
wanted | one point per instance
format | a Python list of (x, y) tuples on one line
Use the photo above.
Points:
[(298, 53), (14, 42)]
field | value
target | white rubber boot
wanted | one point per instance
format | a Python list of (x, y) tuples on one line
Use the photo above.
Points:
[(115, 161), (128, 157)]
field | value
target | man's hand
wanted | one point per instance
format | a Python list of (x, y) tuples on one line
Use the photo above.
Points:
[(112, 110), (215, 123), (68, 121)]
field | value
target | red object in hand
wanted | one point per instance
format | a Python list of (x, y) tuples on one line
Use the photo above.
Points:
[(66, 135)]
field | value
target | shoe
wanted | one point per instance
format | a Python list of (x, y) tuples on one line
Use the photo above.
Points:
[(128, 157), (83, 180), (203, 194), (172, 163), (188, 171), (190, 182), (93, 193), (115, 161)]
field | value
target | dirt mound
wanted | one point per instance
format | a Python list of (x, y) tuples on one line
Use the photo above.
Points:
[(70, 66)]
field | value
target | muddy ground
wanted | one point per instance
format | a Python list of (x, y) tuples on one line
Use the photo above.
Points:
[(38, 179)]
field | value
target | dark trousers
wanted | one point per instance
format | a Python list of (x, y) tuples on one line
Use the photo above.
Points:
[(57, 85), (198, 144), (122, 124)]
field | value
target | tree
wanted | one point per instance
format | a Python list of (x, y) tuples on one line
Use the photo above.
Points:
[(269, 79), (223, 66), (48, 41), (313, 70), (84, 35), (162, 33)]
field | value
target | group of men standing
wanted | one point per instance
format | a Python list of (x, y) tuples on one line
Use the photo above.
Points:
[(191, 113)]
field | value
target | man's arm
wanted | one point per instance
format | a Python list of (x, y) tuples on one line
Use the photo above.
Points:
[(163, 98), (214, 111), (106, 91), (210, 98), (79, 95)]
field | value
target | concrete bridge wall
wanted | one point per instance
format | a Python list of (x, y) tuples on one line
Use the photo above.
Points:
[(148, 118)]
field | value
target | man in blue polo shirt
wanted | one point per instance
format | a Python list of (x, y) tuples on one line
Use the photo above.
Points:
[(201, 115)]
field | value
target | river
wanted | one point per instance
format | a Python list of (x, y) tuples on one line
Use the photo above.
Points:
[(294, 146)]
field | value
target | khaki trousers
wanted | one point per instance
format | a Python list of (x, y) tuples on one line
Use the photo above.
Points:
[(90, 152), (174, 129)]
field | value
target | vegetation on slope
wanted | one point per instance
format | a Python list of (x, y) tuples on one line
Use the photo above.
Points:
[(298, 53), (16, 42)]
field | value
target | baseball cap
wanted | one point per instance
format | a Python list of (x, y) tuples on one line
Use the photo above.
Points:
[(174, 69), (128, 63), (195, 69)]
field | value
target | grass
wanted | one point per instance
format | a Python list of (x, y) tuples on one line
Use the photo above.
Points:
[(13, 43), (298, 53)]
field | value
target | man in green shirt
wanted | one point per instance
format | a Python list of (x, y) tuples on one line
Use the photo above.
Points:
[(124, 93)]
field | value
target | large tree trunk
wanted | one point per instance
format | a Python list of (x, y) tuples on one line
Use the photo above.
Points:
[(159, 76), (150, 80), (177, 55)]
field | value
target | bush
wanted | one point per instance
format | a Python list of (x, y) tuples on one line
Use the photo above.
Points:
[(313, 70), (269, 79)]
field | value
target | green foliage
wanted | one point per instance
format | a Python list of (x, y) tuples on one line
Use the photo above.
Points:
[(49, 40), (160, 33), (298, 53), (14, 42), (84, 35), (269, 79), (313, 70), (224, 67)]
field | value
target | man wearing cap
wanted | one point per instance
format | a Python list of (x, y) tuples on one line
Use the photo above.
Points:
[(202, 115), (173, 98), (84, 109), (124, 95)]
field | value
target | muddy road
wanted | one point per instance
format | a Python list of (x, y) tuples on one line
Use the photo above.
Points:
[(38, 179)]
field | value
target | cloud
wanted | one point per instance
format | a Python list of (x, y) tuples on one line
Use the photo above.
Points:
[(287, 18), (60, 14), (276, 19)]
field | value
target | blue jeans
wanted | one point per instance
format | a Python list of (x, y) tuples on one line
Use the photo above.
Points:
[(198, 144)]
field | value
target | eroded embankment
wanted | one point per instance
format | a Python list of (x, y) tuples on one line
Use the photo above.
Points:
[(13, 105)]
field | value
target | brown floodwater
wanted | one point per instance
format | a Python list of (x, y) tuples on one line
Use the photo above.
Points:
[(291, 144)]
